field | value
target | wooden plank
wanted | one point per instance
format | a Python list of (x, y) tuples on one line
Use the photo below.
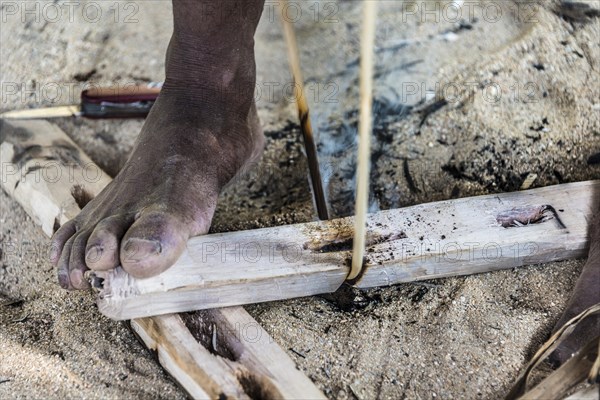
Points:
[(448, 238), (45, 171), (239, 359)]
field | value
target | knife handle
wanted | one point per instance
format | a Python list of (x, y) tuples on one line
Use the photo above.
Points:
[(132, 101)]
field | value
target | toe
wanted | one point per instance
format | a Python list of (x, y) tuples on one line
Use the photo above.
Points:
[(152, 244), (59, 239), (63, 264), (77, 266), (102, 249)]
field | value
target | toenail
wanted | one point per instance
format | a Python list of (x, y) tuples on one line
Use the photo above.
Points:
[(63, 280), (54, 253), (138, 249), (76, 278), (94, 254)]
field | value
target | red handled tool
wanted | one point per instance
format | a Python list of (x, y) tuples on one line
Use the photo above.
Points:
[(129, 101)]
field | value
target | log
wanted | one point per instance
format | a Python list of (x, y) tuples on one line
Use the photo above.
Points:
[(434, 240), (51, 178), (46, 173)]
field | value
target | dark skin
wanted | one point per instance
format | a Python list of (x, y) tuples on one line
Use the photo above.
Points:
[(201, 132)]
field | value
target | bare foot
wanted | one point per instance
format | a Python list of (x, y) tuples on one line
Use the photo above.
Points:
[(585, 294), (202, 130)]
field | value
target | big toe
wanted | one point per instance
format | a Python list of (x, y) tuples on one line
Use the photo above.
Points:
[(152, 244)]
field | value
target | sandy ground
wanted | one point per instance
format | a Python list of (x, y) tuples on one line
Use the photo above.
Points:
[(465, 106)]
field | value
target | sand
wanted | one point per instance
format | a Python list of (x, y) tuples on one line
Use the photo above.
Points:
[(464, 107)]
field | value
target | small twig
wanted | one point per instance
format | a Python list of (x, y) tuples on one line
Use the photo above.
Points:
[(12, 303), (297, 353), (22, 318)]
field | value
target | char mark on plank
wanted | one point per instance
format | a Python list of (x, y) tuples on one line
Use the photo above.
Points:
[(576, 11), (344, 242), (363, 269), (8, 130), (24, 154), (59, 150), (81, 196), (203, 327)]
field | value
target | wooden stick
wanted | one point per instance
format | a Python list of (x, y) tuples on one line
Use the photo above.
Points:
[(363, 165), (448, 238), (45, 171), (239, 360), (304, 115)]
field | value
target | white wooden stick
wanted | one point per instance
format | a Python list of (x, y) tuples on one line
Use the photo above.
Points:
[(240, 361), (448, 238), (367, 43), (45, 171)]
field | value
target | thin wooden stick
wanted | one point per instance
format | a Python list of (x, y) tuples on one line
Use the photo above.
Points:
[(51, 178), (364, 131), (304, 116)]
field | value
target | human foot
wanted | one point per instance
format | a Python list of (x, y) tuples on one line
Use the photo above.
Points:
[(165, 193), (202, 130)]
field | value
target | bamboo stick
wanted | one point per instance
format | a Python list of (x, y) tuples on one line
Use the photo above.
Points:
[(364, 138)]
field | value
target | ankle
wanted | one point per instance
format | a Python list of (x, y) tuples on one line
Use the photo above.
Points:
[(218, 83)]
